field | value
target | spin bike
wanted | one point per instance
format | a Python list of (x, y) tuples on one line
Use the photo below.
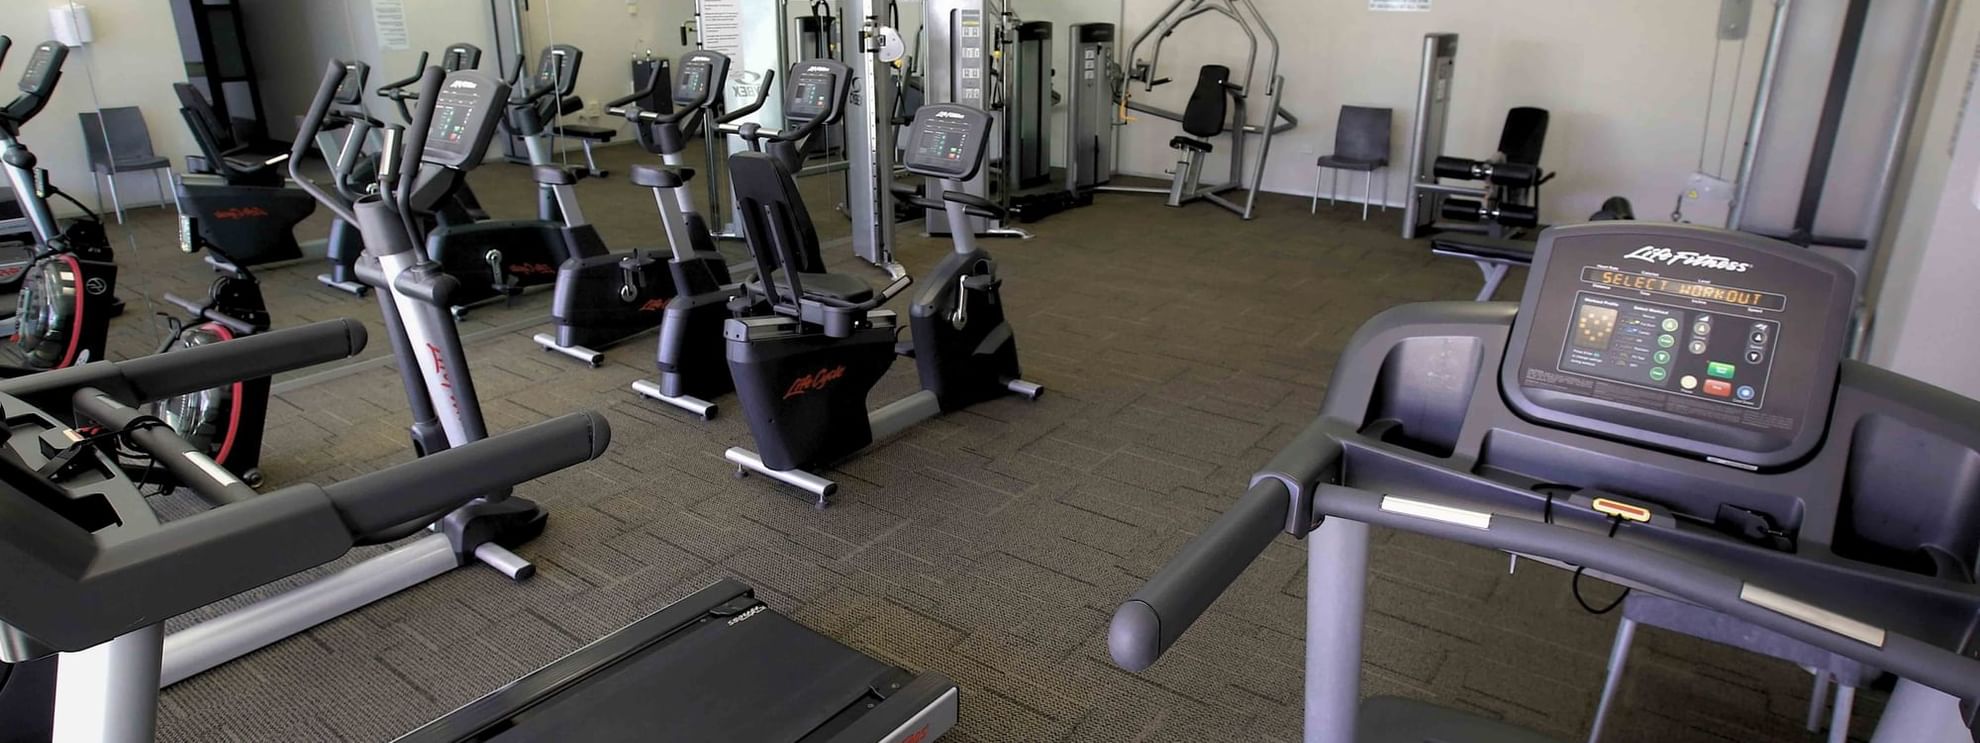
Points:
[(68, 292), (804, 371), (224, 422)]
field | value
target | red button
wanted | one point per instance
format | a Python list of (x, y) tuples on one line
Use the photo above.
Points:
[(1718, 388)]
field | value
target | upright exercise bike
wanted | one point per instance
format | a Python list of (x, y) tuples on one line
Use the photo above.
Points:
[(500, 259), (607, 299), (803, 373), (224, 422)]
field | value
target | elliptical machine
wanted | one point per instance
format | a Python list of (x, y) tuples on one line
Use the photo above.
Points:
[(803, 373)]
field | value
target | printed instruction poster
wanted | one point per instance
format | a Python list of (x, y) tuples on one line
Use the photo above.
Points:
[(389, 18), (1399, 5)]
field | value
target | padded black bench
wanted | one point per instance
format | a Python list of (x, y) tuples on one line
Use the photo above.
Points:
[(586, 135), (1493, 255)]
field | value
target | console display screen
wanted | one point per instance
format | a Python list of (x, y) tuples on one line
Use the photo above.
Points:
[(1711, 356), (811, 96), (1687, 289), (940, 146), (694, 79)]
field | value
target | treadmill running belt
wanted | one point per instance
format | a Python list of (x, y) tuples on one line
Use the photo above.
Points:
[(762, 678)]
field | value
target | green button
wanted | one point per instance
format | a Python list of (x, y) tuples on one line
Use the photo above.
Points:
[(1661, 357), (1657, 374), (1722, 371), (1665, 341), (1670, 324)]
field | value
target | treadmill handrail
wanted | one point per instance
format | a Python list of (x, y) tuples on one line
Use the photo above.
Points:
[(1157, 614)]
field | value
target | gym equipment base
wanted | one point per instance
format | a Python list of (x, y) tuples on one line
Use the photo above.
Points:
[(647, 389)]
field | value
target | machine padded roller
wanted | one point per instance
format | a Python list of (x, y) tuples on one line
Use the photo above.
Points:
[(1473, 210), (1513, 175)]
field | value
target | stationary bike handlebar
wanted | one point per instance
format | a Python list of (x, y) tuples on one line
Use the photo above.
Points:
[(204, 312), (395, 91)]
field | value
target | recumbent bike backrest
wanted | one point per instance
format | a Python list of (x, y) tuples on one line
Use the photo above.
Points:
[(773, 214)]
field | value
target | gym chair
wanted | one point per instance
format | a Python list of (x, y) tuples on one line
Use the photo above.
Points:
[(1203, 118), (117, 142), (1361, 142)]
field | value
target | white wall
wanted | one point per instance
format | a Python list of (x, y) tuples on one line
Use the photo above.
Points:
[(1924, 322), (1625, 80), (133, 62)]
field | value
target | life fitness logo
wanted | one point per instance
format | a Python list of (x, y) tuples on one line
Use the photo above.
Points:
[(446, 377), (96, 286), (532, 269), (1669, 257), (814, 381), (950, 115), (653, 305), (245, 212)]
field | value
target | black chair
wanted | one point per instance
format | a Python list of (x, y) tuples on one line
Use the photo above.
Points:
[(1361, 143), (117, 141)]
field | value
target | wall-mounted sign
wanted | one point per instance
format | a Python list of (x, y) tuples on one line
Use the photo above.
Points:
[(389, 18), (1399, 5)]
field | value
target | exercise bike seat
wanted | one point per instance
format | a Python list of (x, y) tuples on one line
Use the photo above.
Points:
[(651, 176), (838, 287), (551, 175)]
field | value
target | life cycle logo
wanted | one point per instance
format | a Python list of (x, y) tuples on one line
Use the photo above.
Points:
[(96, 286), (1669, 257), (814, 381)]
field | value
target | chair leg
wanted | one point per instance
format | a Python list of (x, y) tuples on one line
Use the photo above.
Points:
[(1333, 186), (1385, 190), (113, 198), (96, 180), (1618, 657), (159, 176), (1367, 190), (1817, 699), (1318, 175), (1839, 719)]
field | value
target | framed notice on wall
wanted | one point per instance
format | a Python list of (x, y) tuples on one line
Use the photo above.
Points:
[(1399, 5), (389, 18)]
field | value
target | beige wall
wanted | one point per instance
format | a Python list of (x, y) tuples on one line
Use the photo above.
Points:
[(133, 62), (1924, 323), (1626, 81)]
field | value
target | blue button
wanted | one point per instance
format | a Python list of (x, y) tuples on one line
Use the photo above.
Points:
[(1745, 393)]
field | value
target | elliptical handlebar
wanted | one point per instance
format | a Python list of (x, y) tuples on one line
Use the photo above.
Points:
[(6, 44), (209, 314), (414, 150), (312, 123), (762, 96)]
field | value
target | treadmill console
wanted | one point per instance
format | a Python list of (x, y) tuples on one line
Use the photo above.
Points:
[(818, 90), (1709, 343), (350, 92), (463, 119), (557, 68), (700, 73), (947, 140), (460, 57)]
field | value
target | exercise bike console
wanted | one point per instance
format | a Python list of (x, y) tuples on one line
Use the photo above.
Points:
[(1701, 342), (463, 120), (948, 144)]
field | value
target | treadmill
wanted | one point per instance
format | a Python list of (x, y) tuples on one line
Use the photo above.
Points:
[(1667, 408), (717, 665)]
